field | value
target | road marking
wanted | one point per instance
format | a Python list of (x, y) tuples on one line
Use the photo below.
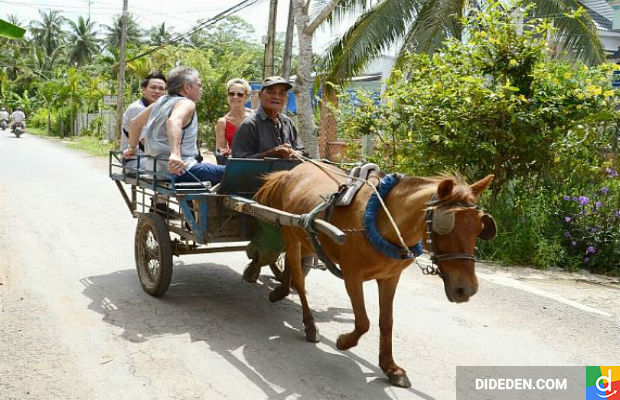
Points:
[(505, 281)]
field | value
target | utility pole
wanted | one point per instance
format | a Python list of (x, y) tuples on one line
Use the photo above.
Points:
[(271, 38), (288, 43), (120, 103)]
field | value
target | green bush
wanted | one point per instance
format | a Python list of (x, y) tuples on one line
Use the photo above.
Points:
[(591, 224), (499, 104)]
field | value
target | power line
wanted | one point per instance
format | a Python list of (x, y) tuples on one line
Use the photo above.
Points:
[(211, 21)]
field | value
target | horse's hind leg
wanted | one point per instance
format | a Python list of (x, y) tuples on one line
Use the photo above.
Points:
[(396, 375), (362, 324)]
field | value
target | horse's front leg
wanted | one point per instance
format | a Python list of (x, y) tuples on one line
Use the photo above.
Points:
[(299, 283), (355, 290), (396, 375)]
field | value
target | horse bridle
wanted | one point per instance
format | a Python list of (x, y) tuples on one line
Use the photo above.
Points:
[(433, 269)]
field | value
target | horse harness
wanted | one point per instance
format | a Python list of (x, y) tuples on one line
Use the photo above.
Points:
[(373, 235), (433, 269)]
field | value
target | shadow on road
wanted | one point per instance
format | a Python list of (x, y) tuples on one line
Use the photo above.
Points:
[(213, 304)]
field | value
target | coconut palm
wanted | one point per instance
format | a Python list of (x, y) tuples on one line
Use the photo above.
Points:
[(159, 34), (82, 41), (422, 25), (113, 32), (48, 33)]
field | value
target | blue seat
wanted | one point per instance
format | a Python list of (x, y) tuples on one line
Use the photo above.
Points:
[(243, 176)]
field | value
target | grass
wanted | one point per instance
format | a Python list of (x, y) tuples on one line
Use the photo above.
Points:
[(87, 144)]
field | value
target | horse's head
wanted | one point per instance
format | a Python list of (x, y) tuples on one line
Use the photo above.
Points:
[(456, 223)]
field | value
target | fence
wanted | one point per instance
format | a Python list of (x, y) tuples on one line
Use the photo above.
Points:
[(106, 128)]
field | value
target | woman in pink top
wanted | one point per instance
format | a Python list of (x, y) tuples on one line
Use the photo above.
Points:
[(238, 91)]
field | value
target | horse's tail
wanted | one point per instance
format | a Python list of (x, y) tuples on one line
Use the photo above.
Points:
[(271, 184)]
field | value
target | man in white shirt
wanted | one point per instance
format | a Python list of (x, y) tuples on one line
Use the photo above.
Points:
[(153, 87), (18, 117)]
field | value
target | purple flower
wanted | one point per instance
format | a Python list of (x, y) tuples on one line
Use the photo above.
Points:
[(566, 197), (574, 198), (591, 250), (617, 213), (604, 190), (586, 259), (593, 230), (611, 172), (598, 204), (566, 219), (566, 234), (583, 200), (573, 243), (584, 211)]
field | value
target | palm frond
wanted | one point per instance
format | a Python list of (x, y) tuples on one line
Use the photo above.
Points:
[(372, 33), (437, 20), (576, 32)]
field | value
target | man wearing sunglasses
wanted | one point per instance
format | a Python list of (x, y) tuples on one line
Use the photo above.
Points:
[(269, 132)]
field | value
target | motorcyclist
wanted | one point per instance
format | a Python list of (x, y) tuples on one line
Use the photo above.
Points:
[(4, 117), (18, 117)]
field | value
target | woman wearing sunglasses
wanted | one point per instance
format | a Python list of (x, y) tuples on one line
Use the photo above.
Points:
[(238, 91)]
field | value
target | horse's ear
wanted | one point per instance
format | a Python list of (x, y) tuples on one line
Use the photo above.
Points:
[(481, 185), (445, 188)]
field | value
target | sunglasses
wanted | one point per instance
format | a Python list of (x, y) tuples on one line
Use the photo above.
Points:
[(237, 94)]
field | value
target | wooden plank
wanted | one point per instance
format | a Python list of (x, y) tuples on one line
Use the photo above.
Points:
[(251, 207)]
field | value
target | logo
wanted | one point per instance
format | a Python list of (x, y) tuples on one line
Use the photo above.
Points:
[(602, 383)]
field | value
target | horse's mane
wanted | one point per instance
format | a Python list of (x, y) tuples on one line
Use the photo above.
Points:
[(263, 195), (461, 192)]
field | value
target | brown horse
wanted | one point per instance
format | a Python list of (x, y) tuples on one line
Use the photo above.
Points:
[(302, 188)]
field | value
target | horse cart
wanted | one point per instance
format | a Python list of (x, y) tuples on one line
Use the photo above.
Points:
[(192, 218)]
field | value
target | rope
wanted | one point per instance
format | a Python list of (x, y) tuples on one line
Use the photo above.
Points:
[(387, 212)]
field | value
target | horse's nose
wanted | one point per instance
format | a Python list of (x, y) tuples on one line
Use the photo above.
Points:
[(463, 293)]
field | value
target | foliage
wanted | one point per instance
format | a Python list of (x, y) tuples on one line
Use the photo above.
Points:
[(591, 224), (484, 105), (423, 26), (498, 104)]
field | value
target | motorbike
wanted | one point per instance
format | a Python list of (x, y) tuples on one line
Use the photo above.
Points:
[(3, 124), (18, 129)]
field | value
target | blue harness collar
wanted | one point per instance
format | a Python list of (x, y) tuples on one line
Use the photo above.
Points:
[(380, 243)]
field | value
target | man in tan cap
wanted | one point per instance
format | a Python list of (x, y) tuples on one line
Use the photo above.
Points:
[(268, 132)]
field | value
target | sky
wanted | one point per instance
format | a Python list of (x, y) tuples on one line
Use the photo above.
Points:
[(181, 16)]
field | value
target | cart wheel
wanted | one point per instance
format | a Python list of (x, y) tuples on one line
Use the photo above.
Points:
[(153, 254), (277, 268)]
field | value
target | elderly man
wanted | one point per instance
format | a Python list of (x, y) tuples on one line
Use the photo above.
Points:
[(268, 132), (171, 130)]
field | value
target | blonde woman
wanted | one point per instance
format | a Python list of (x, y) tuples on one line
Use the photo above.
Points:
[(237, 94)]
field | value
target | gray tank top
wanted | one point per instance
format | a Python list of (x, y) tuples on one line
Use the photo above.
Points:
[(156, 137)]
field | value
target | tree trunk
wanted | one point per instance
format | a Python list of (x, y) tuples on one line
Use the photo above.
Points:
[(303, 81)]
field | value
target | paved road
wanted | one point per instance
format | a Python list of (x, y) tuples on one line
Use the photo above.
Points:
[(74, 323)]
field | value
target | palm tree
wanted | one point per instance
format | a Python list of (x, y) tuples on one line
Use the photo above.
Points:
[(159, 35), (48, 32), (422, 26), (113, 32), (82, 41)]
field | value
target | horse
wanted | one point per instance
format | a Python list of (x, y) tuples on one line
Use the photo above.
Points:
[(456, 217)]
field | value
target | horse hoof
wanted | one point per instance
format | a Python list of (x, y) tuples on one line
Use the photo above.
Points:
[(342, 343), (312, 335), (399, 379), (278, 294), (251, 272)]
